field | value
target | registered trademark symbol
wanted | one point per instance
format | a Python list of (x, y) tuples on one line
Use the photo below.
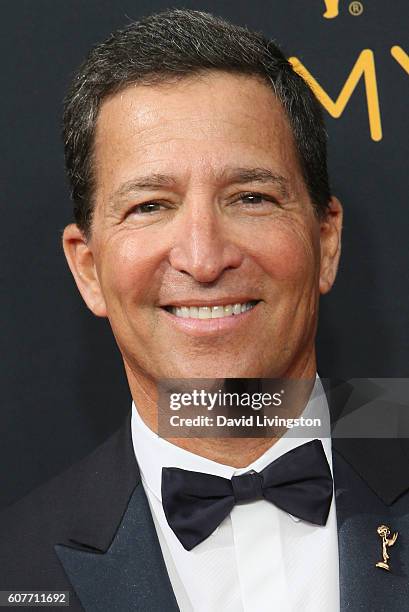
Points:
[(356, 8)]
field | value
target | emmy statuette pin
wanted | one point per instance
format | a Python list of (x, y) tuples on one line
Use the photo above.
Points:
[(384, 532)]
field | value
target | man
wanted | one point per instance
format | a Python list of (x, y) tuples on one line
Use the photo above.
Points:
[(205, 231)]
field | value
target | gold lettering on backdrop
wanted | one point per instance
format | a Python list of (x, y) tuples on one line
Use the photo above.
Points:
[(401, 57), (332, 9), (364, 66)]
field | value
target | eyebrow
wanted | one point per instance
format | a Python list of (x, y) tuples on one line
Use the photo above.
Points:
[(150, 182), (235, 175), (258, 175)]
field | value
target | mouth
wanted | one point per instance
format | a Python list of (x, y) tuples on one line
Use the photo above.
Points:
[(210, 311), (211, 319)]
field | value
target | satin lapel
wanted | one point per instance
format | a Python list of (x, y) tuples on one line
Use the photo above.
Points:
[(371, 479), (363, 586), (130, 575)]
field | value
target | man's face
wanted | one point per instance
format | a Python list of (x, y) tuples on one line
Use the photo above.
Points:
[(200, 206)]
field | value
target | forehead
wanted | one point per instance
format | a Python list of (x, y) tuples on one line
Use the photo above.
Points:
[(194, 127)]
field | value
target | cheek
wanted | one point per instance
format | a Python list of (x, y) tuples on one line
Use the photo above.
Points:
[(290, 255), (128, 271)]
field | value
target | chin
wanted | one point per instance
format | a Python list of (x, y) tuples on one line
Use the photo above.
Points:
[(219, 369)]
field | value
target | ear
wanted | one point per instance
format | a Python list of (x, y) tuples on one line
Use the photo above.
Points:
[(330, 239), (80, 258)]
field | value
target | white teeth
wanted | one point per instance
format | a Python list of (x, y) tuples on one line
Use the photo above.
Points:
[(205, 312), (211, 312), (217, 312)]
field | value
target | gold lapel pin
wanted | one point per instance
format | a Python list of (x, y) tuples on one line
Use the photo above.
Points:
[(384, 532)]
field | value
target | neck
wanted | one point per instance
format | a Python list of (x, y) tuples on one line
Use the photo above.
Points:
[(236, 452)]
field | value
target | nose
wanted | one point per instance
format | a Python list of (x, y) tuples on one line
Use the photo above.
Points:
[(202, 247)]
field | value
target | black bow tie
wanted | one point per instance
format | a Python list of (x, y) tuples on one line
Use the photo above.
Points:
[(298, 482)]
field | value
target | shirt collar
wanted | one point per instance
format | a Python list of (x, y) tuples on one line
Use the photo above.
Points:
[(153, 453)]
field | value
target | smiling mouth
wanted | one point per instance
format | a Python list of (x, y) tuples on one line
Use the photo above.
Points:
[(211, 312)]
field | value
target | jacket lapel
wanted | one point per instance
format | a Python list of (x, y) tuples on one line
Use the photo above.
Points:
[(371, 479), (131, 574), (363, 586), (111, 554)]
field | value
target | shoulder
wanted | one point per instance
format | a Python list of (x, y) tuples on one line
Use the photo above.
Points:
[(52, 500), (30, 528)]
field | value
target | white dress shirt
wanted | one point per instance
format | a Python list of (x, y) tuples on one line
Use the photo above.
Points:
[(260, 558)]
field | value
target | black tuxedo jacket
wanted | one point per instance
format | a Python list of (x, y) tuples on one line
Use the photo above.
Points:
[(89, 531)]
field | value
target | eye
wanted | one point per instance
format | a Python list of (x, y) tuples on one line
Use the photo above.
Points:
[(255, 199), (147, 208)]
